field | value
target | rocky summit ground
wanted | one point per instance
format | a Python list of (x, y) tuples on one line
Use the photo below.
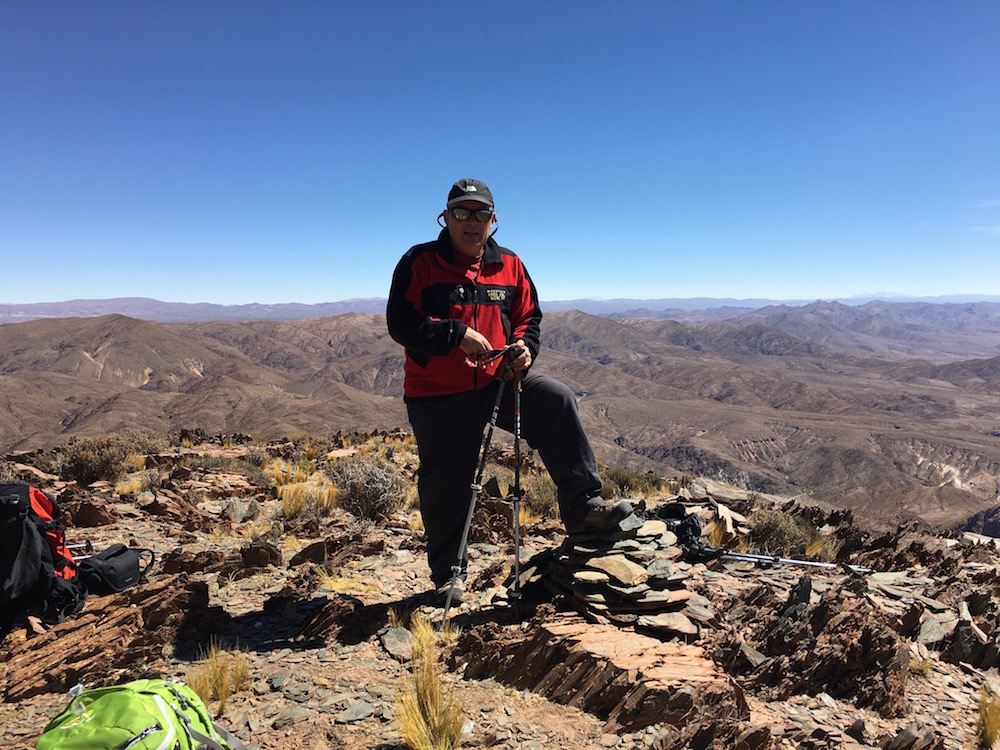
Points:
[(643, 638)]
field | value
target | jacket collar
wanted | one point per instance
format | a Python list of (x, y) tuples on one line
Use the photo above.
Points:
[(491, 253)]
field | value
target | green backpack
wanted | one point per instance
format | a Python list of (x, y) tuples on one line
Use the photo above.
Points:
[(139, 715)]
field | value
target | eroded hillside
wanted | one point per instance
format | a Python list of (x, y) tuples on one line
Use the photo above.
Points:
[(896, 438)]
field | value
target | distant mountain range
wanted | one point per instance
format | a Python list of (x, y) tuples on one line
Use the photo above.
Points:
[(144, 308), (891, 409), (182, 312)]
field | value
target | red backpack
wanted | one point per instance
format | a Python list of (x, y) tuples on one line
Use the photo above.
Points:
[(37, 572)]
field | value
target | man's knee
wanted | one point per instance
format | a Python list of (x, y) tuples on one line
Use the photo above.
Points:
[(552, 396)]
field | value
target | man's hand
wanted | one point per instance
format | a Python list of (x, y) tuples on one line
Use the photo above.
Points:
[(474, 343), (520, 356)]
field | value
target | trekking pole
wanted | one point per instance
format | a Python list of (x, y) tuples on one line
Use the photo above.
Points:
[(87, 547), (477, 485), (747, 557), (516, 594)]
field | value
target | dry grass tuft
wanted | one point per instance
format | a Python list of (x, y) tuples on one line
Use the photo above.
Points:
[(284, 473), (988, 722), (315, 493), (919, 666), (138, 482), (823, 547), (340, 582), (325, 498), (411, 499), (217, 536), (716, 533), (527, 516), (255, 529), (429, 717), (449, 635), (399, 617), (218, 675), (294, 499), (539, 494)]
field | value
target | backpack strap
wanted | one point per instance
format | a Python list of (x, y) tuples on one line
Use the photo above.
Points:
[(152, 558), (232, 743), (203, 740)]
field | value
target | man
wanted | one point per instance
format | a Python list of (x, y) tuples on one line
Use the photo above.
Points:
[(453, 300)]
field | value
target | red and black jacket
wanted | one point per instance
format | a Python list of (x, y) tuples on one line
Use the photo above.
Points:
[(436, 296)]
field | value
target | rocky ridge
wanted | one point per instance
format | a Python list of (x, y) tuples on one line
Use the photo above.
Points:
[(625, 642)]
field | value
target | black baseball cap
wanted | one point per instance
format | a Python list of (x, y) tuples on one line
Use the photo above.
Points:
[(470, 190)]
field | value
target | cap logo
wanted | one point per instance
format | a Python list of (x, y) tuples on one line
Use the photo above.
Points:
[(470, 188)]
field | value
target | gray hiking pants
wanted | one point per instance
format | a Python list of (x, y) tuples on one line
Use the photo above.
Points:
[(449, 431)]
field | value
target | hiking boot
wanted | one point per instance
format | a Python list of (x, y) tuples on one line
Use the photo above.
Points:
[(601, 515), (457, 589)]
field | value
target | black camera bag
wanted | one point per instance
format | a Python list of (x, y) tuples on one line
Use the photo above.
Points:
[(114, 569)]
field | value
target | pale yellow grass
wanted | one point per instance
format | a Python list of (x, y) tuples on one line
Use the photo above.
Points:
[(219, 674), (988, 722), (415, 522), (527, 517), (314, 491), (343, 582), (429, 716), (255, 529)]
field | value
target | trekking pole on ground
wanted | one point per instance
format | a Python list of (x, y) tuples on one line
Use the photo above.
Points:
[(87, 547), (516, 593), (477, 485), (747, 557)]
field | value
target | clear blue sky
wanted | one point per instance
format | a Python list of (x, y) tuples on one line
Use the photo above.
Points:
[(248, 151)]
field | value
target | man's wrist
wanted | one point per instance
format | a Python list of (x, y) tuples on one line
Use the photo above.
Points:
[(457, 333)]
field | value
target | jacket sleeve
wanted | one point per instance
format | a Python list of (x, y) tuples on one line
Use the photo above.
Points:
[(420, 334), (526, 316)]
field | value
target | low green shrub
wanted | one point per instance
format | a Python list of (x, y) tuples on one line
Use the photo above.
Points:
[(7, 472), (106, 458), (539, 492), (775, 531), (246, 466), (621, 482)]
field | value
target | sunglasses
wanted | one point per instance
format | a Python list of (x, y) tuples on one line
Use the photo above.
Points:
[(464, 214)]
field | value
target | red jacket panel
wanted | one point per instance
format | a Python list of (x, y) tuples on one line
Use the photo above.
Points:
[(435, 297)]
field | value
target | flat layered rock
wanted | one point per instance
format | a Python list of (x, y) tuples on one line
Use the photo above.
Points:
[(629, 679), (620, 568), (669, 624), (115, 636)]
